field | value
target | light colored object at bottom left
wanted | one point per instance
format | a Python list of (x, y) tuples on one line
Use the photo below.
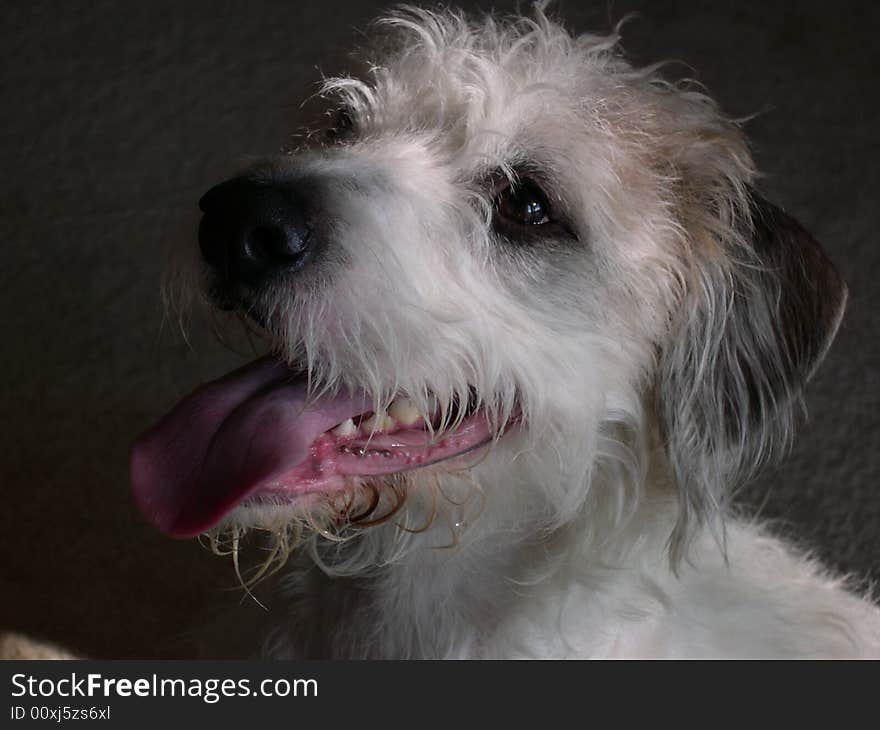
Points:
[(19, 646)]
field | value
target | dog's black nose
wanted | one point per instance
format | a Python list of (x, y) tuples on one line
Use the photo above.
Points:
[(252, 229)]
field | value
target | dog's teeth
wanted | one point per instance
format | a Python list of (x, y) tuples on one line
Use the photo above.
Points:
[(346, 428), (372, 423), (378, 422), (403, 410)]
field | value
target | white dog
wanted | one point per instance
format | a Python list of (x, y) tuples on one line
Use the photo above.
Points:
[(532, 325)]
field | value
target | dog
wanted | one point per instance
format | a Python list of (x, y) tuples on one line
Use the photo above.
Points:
[(530, 325)]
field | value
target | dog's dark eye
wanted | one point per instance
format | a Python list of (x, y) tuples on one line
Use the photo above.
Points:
[(523, 215), (343, 126), (523, 204)]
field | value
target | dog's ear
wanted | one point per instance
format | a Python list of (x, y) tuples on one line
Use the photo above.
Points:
[(755, 324)]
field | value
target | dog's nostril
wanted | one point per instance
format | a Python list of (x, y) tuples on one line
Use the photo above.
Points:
[(275, 242), (265, 249)]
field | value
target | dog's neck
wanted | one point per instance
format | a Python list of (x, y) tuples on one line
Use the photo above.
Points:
[(390, 593)]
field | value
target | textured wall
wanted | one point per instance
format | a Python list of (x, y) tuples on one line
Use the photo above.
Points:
[(118, 115)]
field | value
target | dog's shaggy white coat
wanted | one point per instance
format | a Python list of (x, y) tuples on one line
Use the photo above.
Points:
[(654, 356)]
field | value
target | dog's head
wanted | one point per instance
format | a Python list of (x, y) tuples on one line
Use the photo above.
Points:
[(511, 262)]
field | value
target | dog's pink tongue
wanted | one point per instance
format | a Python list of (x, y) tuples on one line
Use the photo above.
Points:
[(226, 440)]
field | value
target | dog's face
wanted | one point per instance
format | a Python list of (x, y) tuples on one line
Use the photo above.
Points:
[(488, 270)]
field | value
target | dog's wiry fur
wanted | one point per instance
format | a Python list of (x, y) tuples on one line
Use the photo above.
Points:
[(655, 358)]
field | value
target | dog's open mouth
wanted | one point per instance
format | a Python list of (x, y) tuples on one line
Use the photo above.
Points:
[(257, 435)]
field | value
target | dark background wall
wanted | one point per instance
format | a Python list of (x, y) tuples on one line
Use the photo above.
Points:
[(116, 116)]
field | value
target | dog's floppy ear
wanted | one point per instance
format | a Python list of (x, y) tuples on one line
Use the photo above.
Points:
[(756, 323)]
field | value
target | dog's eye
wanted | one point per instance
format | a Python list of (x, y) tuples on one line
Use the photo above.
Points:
[(343, 126), (523, 204)]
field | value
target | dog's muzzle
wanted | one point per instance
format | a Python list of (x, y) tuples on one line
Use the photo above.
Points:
[(254, 230)]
